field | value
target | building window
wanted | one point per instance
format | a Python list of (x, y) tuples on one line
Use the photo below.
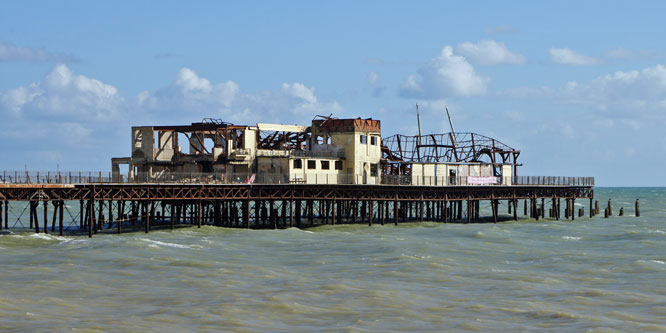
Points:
[(325, 165), (373, 140), (298, 164), (364, 139), (373, 170), (338, 165), (312, 164)]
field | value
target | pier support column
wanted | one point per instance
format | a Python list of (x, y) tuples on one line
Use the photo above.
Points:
[(333, 208), (469, 211), (291, 213), (370, 213), (395, 211), (382, 212), (246, 213), (298, 209), (199, 214), (146, 215), (6, 214), (525, 207), (91, 215), (100, 219), (46, 217), (515, 209), (1, 215), (573, 209), (61, 216), (110, 220), (32, 215), (591, 208)]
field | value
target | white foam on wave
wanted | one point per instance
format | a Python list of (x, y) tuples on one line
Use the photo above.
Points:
[(658, 262), (50, 237), (571, 238), (156, 243), (657, 231)]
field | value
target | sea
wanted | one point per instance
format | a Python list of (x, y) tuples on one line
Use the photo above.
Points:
[(599, 275)]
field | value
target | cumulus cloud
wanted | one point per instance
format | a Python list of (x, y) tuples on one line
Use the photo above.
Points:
[(191, 96), (566, 56), (489, 52), (62, 93), (620, 94), (632, 90), (70, 112), (11, 52), (447, 75)]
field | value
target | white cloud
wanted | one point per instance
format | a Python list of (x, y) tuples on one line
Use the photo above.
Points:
[(62, 93), (11, 52), (567, 56), (191, 97), (373, 77), (373, 82), (90, 120), (623, 94), (446, 75), (489, 52), (632, 91), (620, 53)]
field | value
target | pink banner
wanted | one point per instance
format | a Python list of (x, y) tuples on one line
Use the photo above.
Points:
[(473, 180)]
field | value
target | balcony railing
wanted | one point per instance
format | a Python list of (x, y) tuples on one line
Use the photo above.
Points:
[(23, 177)]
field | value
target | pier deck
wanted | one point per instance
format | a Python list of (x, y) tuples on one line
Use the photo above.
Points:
[(117, 205)]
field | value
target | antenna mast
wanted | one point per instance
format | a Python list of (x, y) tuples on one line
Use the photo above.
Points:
[(418, 142), (453, 130)]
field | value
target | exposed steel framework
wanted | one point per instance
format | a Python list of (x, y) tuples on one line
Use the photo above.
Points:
[(448, 148)]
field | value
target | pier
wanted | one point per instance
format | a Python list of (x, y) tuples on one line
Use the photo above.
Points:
[(107, 206)]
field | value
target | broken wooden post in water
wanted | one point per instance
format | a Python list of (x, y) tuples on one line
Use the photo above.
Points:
[(638, 209)]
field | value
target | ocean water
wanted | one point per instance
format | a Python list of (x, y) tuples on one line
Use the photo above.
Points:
[(588, 274)]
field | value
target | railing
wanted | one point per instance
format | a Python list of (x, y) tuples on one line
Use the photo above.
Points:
[(555, 181), (23, 177)]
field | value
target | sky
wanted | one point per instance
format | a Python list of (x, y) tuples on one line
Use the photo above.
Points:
[(579, 87)]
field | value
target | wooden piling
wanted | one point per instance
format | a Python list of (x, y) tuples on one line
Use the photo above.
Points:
[(621, 211), (370, 212), (596, 207), (46, 217), (1, 214), (515, 209), (610, 208), (61, 215), (111, 214), (382, 212), (90, 214), (246, 213), (34, 218), (525, 207), (591, 209), (637, 211), (6, 214)]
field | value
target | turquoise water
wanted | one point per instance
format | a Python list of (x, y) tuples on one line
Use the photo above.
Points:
[(525, 275)]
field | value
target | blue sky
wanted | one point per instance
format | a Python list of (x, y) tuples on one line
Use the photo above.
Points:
[(578, 87)]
